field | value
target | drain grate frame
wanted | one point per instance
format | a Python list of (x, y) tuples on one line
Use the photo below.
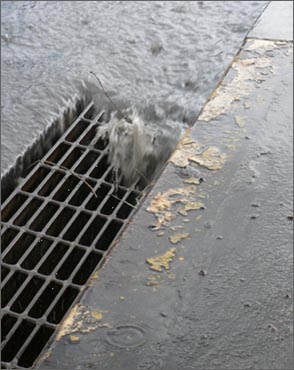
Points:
[(57, 227)]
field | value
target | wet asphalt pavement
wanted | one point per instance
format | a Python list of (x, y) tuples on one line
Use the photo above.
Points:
[(223, 297), (157, 56)]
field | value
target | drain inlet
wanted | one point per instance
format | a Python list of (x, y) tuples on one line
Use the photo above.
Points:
[(57, 227)]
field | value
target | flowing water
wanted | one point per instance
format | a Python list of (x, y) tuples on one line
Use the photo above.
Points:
[(162, 59)]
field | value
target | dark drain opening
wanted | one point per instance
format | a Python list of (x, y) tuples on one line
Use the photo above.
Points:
[(42, 219), (63, 304), (101, 167), (77, 226), (57, 227), (72, 158), (76, 132), (70, 263), (82, 193), (36, 179), (58, 153), (51, 184), (23, 300), (95, 201), (92, 231), (28, 212), (62, 219), (127, 207), (53, 259), (36, 254), (66, 189), (87, 162), (109, 234), (87, 139), (41, 306), (113, 201), (87, 268)]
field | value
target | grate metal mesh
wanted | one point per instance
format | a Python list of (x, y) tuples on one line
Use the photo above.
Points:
[(56, 229)]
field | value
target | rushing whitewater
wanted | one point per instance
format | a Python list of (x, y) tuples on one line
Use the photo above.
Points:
[(136, 150)]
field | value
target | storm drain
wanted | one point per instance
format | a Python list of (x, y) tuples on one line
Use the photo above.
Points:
[(57, 227)]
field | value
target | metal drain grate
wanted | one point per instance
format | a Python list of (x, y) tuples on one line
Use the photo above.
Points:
[(56, 229)]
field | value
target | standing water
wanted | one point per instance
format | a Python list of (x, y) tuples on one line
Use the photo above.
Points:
[(159, 59)]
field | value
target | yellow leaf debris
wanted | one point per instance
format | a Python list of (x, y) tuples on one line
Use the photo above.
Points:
[(72, 323), (191, 206), (241, 85), (176, 238), (210, 158), (162, 203), (74, 339), (185, 148), (192, 181), (159, 263), (97, 315)]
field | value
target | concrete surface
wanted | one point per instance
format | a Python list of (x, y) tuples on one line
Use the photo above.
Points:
[(276, 23), (224, 300)]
